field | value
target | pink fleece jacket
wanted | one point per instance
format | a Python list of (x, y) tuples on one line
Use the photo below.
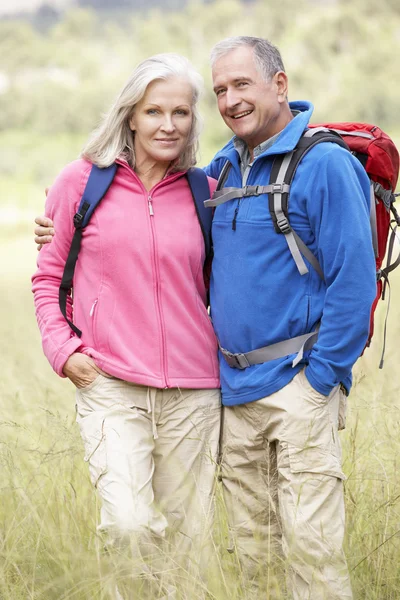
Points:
[(139, 296)]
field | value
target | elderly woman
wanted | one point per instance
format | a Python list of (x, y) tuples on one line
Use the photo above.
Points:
[(145, 368)]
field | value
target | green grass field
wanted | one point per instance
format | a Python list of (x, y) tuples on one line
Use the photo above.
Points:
[(48, 510)]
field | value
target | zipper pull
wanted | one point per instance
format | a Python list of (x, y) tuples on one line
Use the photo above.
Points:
[(151, 211), (235, 216), (93, 307)]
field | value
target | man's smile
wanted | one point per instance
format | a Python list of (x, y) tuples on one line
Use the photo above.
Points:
[(242, 114)]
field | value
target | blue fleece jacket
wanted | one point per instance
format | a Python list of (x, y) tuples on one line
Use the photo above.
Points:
[(257, 295)]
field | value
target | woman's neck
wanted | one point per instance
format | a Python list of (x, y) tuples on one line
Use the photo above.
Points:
[(151, 173)]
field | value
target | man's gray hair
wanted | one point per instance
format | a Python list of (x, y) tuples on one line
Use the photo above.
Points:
[(114, 138), (267, 56)]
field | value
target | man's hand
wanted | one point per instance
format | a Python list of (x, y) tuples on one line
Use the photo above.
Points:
[(81, 370), (44, 232)]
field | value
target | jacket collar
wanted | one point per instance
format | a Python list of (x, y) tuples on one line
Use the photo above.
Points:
[(286, 140)]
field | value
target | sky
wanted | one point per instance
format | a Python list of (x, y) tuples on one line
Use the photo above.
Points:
[(8, 7)]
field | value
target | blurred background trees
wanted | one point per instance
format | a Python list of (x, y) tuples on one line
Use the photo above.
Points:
[(60, 69)]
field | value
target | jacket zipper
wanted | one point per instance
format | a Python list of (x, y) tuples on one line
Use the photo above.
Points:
[(235, 215), (93, 307), (158, 291)]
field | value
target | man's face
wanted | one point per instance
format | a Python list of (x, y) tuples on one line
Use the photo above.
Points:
[(254, 109)]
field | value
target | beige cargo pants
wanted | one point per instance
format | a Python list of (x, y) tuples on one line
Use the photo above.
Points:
[(152, 457), (283, 488)]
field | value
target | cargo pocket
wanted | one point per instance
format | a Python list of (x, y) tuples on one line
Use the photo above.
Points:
[(315, 459), (342, 410), (311, 392), (94, 439)]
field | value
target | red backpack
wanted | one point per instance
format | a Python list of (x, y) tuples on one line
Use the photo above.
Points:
[(380, 158)]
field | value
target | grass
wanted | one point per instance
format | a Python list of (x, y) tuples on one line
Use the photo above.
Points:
[(49, 549)]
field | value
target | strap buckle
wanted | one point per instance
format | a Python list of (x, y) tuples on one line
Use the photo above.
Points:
[(277, 188), (252, 190), (78, 218), (284, 225), (386, 196), (235, 361)]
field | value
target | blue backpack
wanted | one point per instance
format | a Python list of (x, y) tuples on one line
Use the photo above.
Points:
[(96, 188)]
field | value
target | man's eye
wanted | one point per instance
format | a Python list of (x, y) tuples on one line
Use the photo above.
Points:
[(242, 83), (219, 92)]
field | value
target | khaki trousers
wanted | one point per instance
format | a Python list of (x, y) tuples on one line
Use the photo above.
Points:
[(152, 457), (283, 488)]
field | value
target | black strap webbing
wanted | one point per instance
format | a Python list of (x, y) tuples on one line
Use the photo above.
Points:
[(68, 275)]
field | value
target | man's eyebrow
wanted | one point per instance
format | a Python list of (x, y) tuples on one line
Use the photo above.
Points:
[(236, 80)]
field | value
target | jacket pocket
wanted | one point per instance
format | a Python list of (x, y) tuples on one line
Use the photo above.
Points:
[(101, 313)]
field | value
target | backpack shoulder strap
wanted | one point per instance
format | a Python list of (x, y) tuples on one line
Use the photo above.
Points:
[(282, 173), (96, 188), (223, 176), (200, 189)]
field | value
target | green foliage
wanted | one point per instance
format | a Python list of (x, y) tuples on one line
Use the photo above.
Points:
[(340, 55), (57, 81)]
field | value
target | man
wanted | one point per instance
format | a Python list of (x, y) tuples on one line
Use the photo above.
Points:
[(285, 411), (259, 298)]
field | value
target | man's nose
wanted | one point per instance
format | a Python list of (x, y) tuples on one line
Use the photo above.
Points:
[(232, 98)]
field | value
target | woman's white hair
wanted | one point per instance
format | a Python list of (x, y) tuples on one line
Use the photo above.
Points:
[(114, 138)]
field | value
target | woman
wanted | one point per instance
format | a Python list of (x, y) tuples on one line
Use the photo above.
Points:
[(145, 368)]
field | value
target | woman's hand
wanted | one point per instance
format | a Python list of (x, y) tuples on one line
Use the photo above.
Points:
[(44, 231), (81, 370)]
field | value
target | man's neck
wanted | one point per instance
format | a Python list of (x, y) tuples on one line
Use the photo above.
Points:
[(284, 119)]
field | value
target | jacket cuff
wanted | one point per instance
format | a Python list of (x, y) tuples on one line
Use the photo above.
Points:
[(73, 345), (322, 388)]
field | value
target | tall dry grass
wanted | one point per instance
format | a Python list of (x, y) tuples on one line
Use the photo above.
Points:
[(49, 548)]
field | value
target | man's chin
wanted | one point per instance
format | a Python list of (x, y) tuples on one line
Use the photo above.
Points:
[(237, 129)]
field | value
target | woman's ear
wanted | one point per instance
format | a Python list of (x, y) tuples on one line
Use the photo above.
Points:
[(132, 123)]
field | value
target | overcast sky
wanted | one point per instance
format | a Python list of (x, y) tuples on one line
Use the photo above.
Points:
[(12, 6)]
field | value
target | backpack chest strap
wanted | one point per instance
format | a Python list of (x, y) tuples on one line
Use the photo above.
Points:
[(232, 193)]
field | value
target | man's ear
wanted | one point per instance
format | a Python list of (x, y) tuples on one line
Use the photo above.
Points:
[(281, 82)]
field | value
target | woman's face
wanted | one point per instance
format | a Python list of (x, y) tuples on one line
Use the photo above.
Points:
[(162, 121)]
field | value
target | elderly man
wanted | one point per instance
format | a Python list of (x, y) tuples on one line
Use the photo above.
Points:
[(290, 403), (291, 313)]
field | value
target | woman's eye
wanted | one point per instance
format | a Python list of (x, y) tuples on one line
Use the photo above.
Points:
[(182, 112), (152, 111)]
